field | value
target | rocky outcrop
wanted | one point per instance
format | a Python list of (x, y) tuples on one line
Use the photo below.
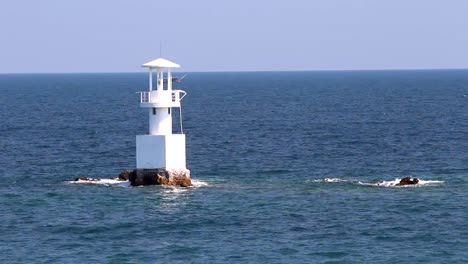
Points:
[(408, 181), (124, 175), (180, 178), (139, 177)]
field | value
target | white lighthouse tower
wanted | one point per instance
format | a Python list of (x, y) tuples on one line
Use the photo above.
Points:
[(160, 148)]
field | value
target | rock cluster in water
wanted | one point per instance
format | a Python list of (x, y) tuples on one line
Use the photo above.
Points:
[(141, 177), (408, 181)]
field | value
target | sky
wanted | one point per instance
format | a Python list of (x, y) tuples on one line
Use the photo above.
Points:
[(55, 36)]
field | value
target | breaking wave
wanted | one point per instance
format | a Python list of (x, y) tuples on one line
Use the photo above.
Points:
[(105, 182), (198, 183), (330, 180)]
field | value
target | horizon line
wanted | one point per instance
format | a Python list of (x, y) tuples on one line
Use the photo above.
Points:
[(245, 71)]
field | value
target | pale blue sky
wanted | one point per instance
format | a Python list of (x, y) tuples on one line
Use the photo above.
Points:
[(241, 35)]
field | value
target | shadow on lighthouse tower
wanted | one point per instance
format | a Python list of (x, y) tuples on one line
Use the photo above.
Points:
[(160, 154)]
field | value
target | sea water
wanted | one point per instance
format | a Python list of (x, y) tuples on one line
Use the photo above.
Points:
[(288, 167)]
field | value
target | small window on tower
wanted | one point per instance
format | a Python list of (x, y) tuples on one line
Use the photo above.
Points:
[(154, 111), (169, 110)]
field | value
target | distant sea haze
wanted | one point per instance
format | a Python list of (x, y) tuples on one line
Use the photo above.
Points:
[(289, 167)]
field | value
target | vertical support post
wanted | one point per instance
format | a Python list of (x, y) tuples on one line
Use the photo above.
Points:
[(169, 79), (161, 79), (150, 79), (158, 77)]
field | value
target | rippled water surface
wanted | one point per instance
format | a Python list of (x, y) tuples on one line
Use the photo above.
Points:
[(289, 167)]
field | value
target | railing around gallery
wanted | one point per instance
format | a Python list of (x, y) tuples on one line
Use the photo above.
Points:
[(176, 96)]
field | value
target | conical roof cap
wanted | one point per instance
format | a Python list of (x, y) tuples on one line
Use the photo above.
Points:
[(161, 63)]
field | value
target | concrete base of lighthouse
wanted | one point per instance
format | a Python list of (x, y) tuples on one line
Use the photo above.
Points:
[(160, 151)]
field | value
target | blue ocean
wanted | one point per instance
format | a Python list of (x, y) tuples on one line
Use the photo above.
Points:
[(288, 167)]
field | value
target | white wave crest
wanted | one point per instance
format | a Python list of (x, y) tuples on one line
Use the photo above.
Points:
[(430, 182), (330, 180), (198, 183), (173, 189), (106, 182)]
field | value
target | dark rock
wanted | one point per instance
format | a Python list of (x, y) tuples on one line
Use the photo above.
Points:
[(124, 175), (141, 177), (149, 177), (408, 181), (405, 181)]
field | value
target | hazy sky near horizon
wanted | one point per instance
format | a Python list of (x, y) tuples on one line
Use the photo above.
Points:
[(242, 35)]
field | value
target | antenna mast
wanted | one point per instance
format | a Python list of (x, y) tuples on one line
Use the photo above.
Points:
[(160, 49)]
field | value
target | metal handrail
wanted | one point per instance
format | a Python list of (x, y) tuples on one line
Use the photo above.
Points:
[(177, 96), (144, 97)]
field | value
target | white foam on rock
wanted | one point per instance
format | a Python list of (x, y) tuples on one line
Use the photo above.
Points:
[(393, 183)]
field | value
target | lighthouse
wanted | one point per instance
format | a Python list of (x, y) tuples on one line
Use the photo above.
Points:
[(162, 150)]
